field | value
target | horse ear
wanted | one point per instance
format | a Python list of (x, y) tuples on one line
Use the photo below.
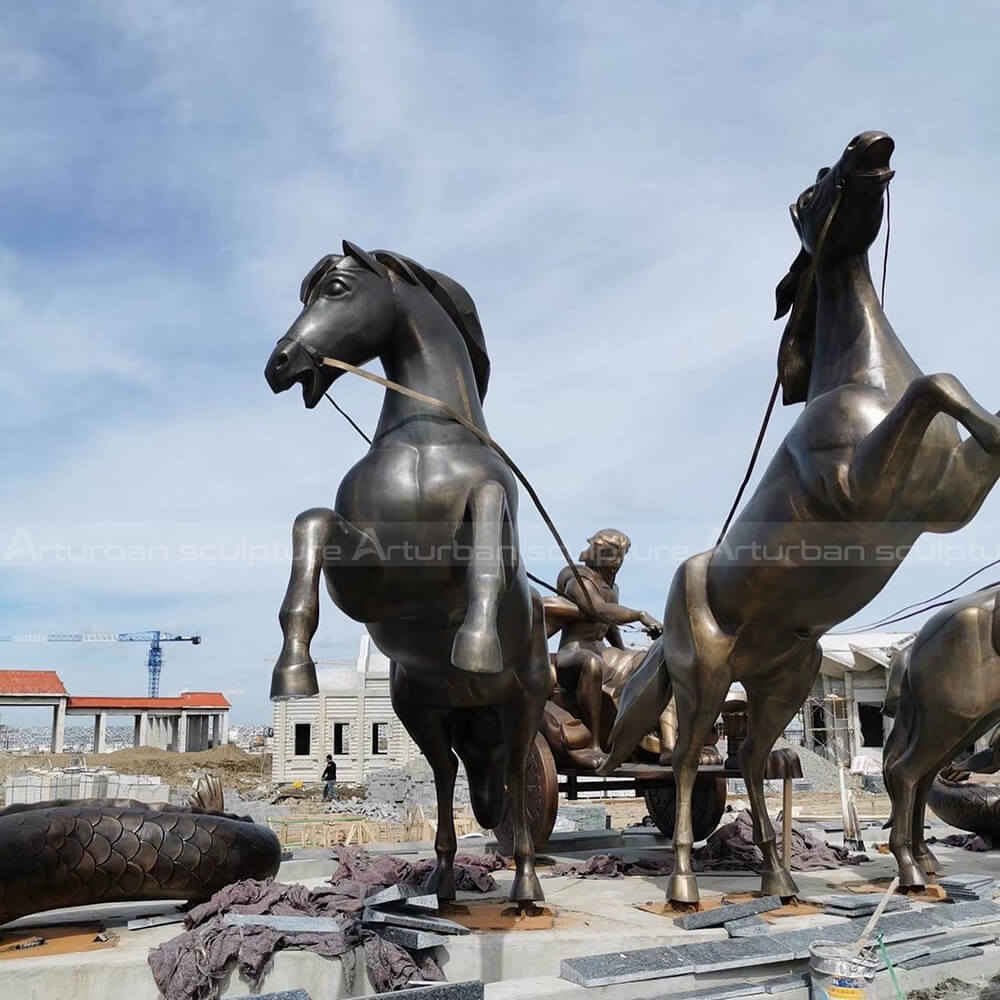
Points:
[(364, 258), (313, 278), (397, 265)]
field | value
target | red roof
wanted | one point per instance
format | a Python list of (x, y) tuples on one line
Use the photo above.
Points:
[(190, 699), (36, 682)]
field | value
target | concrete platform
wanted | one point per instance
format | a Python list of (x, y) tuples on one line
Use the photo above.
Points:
[(593, 917)]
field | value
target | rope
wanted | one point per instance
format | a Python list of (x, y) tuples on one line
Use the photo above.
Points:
[(888, 230), (810, 276), (489, 442), (918, 604), (347, 417), (888, 964)]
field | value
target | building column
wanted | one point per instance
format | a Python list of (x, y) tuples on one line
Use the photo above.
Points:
[(101, 732), (216, 728), (59, 726), (224, 727), (182, 732), (142, 729)]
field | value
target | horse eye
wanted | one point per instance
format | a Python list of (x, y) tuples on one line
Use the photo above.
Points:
[(335, 286)]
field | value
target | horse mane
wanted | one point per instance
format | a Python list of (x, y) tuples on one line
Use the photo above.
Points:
[(455, 301), (796, 292)]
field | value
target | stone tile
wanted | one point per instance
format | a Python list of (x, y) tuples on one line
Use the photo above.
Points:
[(904, 952), (285, 924), (726, 913), (911, 925), (969, 940), (471, 990), (941, 957), (414, 940), (422, 903), (785, 984), (969, 914), (283, 995), (394, 896), (748, 927), (722, 991), (436, 925), (800, 940), (864, 901), (625, 967), (736, 953)]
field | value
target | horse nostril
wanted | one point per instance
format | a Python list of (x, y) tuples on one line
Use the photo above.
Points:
[(854, 142), (280, 361)]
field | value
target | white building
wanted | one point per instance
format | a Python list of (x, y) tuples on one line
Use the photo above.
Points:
[(351, 718), (843, 716)]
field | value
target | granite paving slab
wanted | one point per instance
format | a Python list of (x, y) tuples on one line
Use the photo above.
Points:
[(785, 984), (969, 914), (436, 925), (285, 924), (800, 940), (426, 903), (735, 953), (625, 967), (910, 925), (722, 991), (747, 927), (863, 901), (726, 913), (941, 957), (903, 952), (394, 895), (415, 940), (974, 938), (471, 990), (283, 995)]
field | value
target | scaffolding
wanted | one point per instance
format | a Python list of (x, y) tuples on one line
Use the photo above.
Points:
[(826, 728)]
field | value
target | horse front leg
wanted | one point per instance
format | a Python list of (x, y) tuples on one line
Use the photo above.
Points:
[(772, 702), (295, 673), (476, 646), (321, 540), (882, 463)]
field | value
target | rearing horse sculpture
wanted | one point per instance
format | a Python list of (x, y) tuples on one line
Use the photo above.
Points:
[(874, 459), (422, 546)]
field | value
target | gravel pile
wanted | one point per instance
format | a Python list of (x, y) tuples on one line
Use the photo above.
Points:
[(822, 774)]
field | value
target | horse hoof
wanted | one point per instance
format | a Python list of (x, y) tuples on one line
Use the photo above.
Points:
[(294, 676), (912, 876), (441, 882), (526, 889), (683, 889), (929, 863), (779, 883), (477, 651)]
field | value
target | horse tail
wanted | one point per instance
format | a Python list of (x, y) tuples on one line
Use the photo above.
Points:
[(478, 741), (645, 695)]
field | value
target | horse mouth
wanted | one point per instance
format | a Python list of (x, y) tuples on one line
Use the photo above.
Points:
[(290, 365)]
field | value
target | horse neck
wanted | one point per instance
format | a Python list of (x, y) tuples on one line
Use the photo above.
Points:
[(426, 353), (855, 343)]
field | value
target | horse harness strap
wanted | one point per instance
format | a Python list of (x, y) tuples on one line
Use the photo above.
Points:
[(452, 413), (810, 276)]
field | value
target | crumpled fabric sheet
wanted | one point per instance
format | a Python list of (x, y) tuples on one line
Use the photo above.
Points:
[(190, 966), (730, 848), (360, 875), (967, 841)]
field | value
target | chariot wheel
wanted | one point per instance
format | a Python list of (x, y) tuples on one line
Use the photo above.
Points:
[(541, 792), (708, 803)]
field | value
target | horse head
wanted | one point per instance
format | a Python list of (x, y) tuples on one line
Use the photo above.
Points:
[(350, 307), (839, 216)]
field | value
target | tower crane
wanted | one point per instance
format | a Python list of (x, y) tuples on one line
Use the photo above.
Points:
[(154, 660)]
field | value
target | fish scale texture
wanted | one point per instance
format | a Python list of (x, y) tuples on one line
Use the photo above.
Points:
[(54, 855)]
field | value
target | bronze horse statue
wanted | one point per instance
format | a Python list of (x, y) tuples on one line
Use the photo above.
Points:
[(874, 460), (422, 544), (944, 693)]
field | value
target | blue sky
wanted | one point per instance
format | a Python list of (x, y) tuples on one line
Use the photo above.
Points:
[(610, 182)]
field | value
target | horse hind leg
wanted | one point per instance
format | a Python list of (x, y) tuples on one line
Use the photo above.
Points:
[(479, 745), (772, 702), (476, 647)]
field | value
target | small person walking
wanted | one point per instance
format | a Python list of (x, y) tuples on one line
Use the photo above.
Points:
[(329, 780)]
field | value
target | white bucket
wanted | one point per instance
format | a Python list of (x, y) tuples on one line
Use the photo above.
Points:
[(838, 972)]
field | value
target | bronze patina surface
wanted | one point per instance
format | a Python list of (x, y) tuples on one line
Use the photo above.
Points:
[(875, 459), (421, 545)]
